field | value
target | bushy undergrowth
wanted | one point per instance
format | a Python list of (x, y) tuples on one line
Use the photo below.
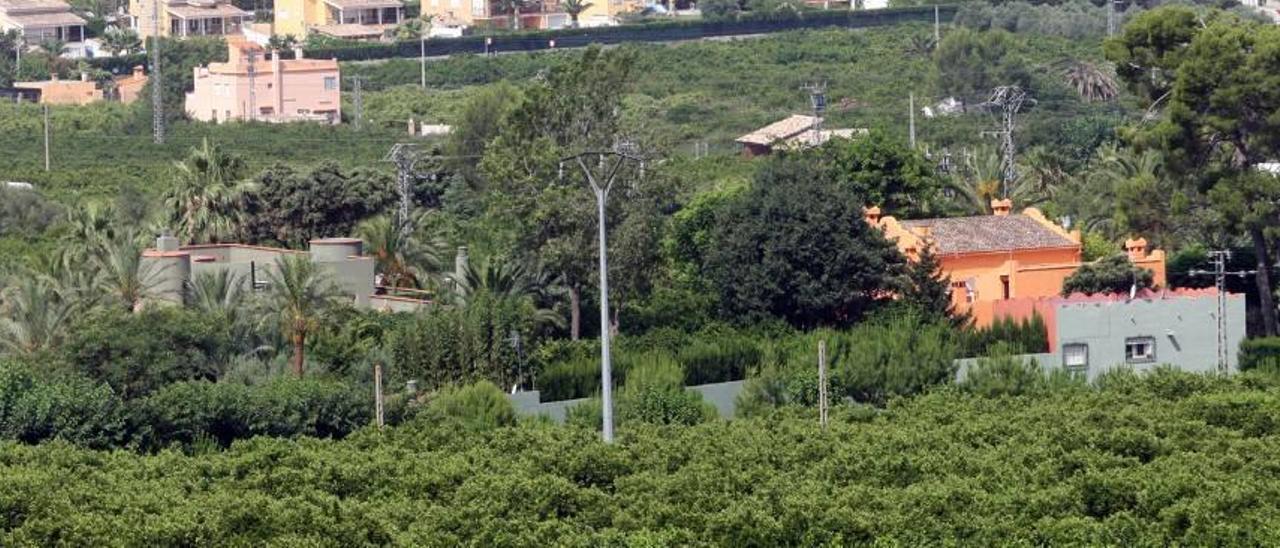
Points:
[(1169, 459)]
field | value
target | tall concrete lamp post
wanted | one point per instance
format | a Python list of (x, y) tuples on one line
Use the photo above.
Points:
[(609, 164)]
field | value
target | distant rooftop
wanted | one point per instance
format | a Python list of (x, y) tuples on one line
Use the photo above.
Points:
[(783, 129), (988, 233)]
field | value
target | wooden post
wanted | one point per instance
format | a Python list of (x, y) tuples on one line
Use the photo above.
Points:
[(822, 383), (377, 394)]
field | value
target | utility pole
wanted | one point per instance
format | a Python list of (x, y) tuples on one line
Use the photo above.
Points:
[(937, 26), (46, 137), (422, 57), (911, 108), (1219, 273), (823, 404), (818, 103), (359, 101), (377, 395), (157, 82), (1010, 100), (619, 156), (405, 156), (253, 88)]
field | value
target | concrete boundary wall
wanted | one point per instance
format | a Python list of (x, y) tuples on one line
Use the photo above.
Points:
[(722, 395)]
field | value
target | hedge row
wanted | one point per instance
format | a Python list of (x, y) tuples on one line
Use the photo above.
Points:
[(581, 37)]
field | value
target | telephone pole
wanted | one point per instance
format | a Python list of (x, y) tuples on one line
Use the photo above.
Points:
[(1219, 273), (601, 185), (1010, 100), (157, 83), (911, 108), (937, 26), (253, 88), (46, 137)]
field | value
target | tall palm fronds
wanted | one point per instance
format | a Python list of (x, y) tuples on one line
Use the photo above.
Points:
[(122, 275), (205, 202), (299, 294), (510, 279), (1092, 81), (89, 227), (217, 293), (33, 316), (403, 262), (976, 182), (574, 8)]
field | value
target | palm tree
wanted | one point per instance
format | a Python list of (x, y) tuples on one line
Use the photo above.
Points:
[(299, 295), (33, 316), (1093, 82), (219, 293), (514, 6), (53, 46), (575, 8), (977, 182), (122, 275), (121, 40), (403, 262), (208, 192), (508, 279)]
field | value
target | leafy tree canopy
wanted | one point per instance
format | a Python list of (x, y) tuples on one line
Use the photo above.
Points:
[(1114, 274)]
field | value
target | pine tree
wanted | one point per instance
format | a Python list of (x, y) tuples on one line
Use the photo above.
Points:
[(927, 289)]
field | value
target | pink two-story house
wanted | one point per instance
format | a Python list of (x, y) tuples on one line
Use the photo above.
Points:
[(255, 84)]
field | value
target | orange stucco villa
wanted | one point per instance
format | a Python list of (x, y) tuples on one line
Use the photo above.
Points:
[(1001, 257)]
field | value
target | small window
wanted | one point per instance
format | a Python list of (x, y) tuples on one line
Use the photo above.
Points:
[(1075, 357), (1139, 350), (330, 83), (1004, 285)]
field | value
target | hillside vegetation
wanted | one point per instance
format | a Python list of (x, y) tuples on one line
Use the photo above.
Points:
[(1172, 459)]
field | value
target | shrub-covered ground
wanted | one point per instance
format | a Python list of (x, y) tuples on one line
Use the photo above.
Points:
[(1172, 459)]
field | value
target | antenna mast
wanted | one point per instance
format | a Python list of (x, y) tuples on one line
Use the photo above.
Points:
[(157, 83)]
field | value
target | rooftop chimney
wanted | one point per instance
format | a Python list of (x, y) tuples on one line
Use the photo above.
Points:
[(297, 52), (1137, 249), (872, 215), (1001, 207), (166, 242), (84, 76), (137, 72)]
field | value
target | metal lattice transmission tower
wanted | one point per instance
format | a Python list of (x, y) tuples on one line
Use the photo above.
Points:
[(1009, 99), (1219, 273), (406, 157), (253, 88), (157, 83), (818, 104)]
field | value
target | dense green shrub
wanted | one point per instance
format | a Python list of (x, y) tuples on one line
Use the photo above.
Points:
[(137, 353), (480, 405), (655, 394), (185, 412), (36, 408), (1026, 336), (444, 345), (727, 357), (1084, 467), (1259, 353)]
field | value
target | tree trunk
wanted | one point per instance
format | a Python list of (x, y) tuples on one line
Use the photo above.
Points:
[(575, 313), (1265, 300), (299, 345)]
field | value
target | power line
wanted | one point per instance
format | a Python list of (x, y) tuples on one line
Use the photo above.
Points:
[(1219, 273)]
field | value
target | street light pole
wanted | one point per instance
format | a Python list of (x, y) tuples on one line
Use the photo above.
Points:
[(422, 57), (602, 196)]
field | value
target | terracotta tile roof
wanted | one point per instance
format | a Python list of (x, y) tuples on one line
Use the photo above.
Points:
[(988, 233), (51, 19), (367, 4), (200, 12), (351, 30), (783, 129), (30, 6)]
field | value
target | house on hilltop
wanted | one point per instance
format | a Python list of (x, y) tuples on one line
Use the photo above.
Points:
[(41, 20), (1002, 256), (347, 19), (249, 86), (183, 18)]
